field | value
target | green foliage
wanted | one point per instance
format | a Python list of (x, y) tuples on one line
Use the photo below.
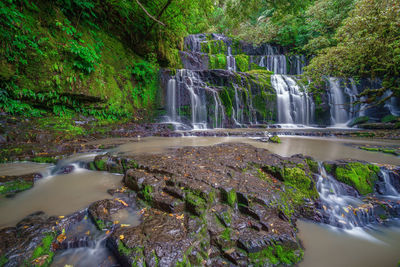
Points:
[(358, 175), (367, 46), (3, 260), (389, 118), (379, 149), (242, 62), (217, 61), (146, 75), (44, 249), (275, 254)]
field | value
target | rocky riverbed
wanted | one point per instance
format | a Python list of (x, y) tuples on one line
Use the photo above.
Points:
[(216, 205)]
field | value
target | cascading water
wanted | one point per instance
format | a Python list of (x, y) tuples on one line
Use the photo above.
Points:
[(230, 60), (390, 191), (198, 103), (171, 100), (341, 209), (337, 102), (293, 105)]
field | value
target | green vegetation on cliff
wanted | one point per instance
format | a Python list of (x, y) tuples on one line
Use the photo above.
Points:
[(70, 57)]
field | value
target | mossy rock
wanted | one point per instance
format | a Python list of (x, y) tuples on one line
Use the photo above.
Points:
[(275, 139), (390, 119), (358, 175), (358, 121), (15, 186)]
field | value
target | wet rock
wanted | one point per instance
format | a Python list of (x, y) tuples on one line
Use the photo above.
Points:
[(226, 205), (10, 185)]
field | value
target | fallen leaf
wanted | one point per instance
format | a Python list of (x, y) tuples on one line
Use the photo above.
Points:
[(61, 217), (122, 202), (116, 222), (121, 237), (108, 231), (180, 217), (88, 233), (61, 238), (40, 261)]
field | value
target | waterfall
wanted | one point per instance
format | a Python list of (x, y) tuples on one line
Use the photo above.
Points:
[(341, 209), (219, 114), (293, 104), (389, 188), (337, 101), (277, 64), (198, 103), (171, 100), (283, 99), (230, 60), (237, 113)]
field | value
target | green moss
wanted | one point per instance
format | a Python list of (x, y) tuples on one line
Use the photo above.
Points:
[(358, 120), (231, 198), (44, 249), (101, 164), (383, 150), (15, 186), (242, 62), (44, 160), (390, 118), (136, 253), (217, 61), (226, 234), (329, 168), (313, 165), (195, 203), (254, 66), (274, 255), (147, 193), (3, 260), (226, 99), (275, 139), (358, 175)]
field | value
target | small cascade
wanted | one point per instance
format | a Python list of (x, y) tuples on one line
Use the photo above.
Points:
[(389, 188), (171, 100), (237, 114), (337, 102), (341, 209), (230, 60), (283, 99), (276, 64), (198, 103), (293, 104), (219, 114)]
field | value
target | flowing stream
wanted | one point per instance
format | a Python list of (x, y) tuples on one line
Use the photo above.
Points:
[(353, 242)]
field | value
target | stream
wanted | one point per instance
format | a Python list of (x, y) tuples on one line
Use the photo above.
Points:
[(62, 192)]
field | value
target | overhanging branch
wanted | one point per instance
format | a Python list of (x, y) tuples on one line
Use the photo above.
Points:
[(148, 14)]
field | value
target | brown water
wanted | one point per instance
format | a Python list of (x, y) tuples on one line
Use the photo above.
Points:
[(58, 195), (21, 168), (329, 248), (319, 148)]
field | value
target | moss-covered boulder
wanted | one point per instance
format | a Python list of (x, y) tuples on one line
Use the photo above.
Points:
[(359, 175)]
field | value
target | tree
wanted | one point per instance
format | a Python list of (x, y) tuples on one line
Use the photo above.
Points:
[(368, 46)]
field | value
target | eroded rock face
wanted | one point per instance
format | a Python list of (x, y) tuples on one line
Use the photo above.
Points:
[(212, 206)]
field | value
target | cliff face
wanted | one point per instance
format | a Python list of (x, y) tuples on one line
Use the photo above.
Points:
[(52, 61)]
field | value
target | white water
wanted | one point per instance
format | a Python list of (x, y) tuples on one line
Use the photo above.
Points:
[(230, 60), (390, 190), (294, 106), (171, 100), (339, 115)]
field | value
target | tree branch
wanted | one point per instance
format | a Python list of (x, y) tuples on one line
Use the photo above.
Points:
[(148, 14), (158, 17)]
